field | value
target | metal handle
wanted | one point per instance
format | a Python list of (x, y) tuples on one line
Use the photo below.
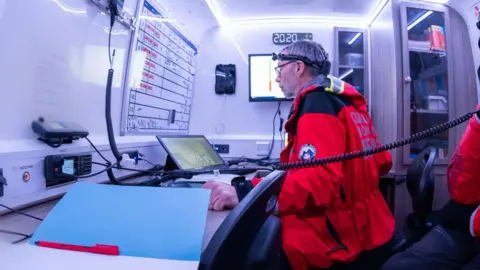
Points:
[(408, 79)]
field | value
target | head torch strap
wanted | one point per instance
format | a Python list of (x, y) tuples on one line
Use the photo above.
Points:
[(323, 67)]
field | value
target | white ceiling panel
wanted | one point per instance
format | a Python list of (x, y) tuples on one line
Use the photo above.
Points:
[(246, 9)]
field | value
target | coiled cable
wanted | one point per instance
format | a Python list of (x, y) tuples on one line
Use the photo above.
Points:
[(382, 148)]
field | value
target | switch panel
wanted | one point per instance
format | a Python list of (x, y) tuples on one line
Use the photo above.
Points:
[(263, 149), (221, 148)]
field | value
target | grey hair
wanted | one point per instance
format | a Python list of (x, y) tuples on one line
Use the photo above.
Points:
[(310, 49)]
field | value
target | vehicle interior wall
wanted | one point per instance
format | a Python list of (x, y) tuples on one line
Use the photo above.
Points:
[(233, 119), (467, 9), (384, 95), (59, 71)]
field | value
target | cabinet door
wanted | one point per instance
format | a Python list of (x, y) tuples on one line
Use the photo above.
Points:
[(350, 52), (426, 90)]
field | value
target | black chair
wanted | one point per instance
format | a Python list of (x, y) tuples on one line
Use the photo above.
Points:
[(421, 186), (250, 237)]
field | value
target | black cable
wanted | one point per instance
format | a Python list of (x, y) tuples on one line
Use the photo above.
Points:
[(108, 92), (272, 144), (385, 147), (108, 98), (147, 161), (112, 7), (236, 161), (109, 46), (25, 236), (20, 213), (152, 170), (22, 239), (155, 169), (142, 157), (13, 233), (257, 160), (108, 117), (96, 150), (110, 166)]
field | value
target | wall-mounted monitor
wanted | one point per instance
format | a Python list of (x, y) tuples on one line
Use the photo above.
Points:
[(263, 86)]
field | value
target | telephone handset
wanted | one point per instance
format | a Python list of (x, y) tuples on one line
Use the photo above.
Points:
[(385, 147)]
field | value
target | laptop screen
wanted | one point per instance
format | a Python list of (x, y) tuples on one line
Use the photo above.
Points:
[(190, 152)]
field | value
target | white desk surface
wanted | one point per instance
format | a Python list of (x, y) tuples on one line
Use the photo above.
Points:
[(24, 256)]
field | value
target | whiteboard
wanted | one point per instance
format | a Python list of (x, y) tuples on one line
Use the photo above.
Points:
[(54, 63), (161, 71)]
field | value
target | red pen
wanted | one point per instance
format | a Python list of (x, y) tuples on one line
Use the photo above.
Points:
[(98, 249)]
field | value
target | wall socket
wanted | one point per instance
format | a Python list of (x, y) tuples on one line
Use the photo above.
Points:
[(263, 148)]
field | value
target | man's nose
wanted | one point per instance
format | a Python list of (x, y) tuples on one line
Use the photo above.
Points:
[(277, 79)]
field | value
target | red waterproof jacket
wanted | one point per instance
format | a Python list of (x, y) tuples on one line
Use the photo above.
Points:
[(463, 173), (333, 212)]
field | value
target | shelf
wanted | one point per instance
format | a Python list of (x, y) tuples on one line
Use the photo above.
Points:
[(348, 66), (422, 47), (432, 72), (423, 111)]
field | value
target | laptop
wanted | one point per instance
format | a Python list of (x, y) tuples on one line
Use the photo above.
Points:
[(190, 152)]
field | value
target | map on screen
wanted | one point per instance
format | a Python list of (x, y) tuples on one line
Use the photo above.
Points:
[(192, 152)]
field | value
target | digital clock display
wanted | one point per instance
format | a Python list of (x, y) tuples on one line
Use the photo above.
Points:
[(288, 38)]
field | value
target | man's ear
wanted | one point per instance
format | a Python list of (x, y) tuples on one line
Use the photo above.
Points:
[(300, 67)]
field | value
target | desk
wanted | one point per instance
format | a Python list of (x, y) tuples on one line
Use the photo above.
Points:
[(25, 256)]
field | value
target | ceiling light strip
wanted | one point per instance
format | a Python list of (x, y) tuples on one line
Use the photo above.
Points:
[(216, 12), (378, 9), (354, 38), (419, 20), (299, 19)]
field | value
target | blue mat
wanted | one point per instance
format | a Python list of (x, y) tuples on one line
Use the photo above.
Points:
[(162, 223)]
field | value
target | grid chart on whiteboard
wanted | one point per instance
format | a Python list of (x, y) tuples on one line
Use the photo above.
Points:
[(162, 99)]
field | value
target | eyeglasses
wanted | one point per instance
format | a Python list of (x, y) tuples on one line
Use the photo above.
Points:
[(278, 69)]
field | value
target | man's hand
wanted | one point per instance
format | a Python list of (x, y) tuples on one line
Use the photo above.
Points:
[(223, 196)]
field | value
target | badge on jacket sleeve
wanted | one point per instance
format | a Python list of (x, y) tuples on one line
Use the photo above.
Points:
[(307, 152)]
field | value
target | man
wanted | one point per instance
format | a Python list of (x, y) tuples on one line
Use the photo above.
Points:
[(452, 245), (332, 213)]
